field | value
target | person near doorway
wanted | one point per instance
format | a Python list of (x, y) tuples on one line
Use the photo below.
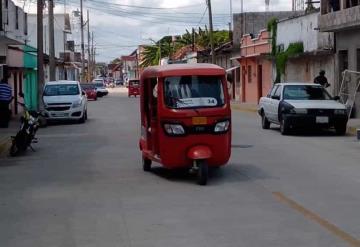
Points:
[(321, 79), (334, 5), (5, 100)]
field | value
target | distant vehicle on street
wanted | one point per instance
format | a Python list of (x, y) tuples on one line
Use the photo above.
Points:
[(100, 87), (119, 82), (134, 88), (302, 105), (90, 90), (65, 100), (185, 118)]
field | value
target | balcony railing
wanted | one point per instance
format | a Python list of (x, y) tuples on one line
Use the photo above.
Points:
[(343, 19)]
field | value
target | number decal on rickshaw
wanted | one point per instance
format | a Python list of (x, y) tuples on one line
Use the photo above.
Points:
[(196, 102)]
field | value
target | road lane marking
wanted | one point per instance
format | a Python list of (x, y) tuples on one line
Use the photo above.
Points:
[(314, 217)]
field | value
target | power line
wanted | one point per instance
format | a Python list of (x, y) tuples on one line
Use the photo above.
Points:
[(202, 17), (142, 7), (152, 18)]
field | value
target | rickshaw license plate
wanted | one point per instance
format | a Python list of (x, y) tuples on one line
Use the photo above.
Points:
[(199, 120)]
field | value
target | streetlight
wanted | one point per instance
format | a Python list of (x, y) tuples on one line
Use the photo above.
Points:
[(211, 32)]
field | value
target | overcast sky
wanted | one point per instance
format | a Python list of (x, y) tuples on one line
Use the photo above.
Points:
[(121, 25)]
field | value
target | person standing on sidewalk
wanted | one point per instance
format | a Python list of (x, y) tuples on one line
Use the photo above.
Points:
[(321, 79), (5, 100)]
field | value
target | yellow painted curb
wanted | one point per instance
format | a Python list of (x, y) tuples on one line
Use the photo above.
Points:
[(4, 145), (352, 130), (330, 227)]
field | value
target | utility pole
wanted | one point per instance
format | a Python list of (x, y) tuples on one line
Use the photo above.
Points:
[(51, 41), (211, 32), (82, 42), (231, 13), (95, 58), (92, 55), (160, 52), (88, 41), (193, 39), (243, 24), (40, 52)]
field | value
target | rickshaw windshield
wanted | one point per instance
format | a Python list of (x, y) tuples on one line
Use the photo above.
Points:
[(134, 83), (193, 92)]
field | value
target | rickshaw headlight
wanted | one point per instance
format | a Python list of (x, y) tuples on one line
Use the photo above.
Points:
[(174, 129), (222, 126)]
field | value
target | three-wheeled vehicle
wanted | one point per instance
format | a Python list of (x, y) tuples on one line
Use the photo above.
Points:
[(134, 88), (185, 118)]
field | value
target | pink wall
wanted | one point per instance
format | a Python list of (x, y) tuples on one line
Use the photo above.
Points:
[(256, 68), (15, 58)]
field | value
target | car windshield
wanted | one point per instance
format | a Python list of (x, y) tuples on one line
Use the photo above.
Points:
[(134, 83), (64, 89), (305, 92), (87, 86), (99, 84), (193, 92)]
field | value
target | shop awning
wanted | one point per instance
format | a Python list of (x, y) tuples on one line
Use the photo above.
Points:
[(233, 68)]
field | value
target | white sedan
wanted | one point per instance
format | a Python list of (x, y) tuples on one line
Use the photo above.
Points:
[(65, 100), (302, 105)]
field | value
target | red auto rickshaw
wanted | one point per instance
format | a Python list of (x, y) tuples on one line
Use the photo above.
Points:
[(185, 118), (134, 88)]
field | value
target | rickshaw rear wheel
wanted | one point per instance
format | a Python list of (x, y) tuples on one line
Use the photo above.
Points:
[(146, 164), (203, 172)]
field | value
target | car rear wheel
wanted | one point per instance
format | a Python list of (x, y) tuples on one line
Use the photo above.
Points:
[(265, 124)]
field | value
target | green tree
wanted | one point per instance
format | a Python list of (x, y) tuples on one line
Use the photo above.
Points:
[(116, 61), (165, 47), (154, 53)]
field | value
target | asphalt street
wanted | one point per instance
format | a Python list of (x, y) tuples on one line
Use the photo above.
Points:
[(84, 186)]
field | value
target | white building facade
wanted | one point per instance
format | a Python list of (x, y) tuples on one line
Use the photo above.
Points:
[(318, 49)]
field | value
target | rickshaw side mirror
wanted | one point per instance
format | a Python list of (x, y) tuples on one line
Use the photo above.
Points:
[(229, 77)]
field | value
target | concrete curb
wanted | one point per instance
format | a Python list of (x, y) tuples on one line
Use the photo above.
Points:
[(244, 108), (5, 143), (352, 130)]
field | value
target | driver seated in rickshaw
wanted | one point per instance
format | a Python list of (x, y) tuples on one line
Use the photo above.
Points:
[(186, 89), (181, 90)]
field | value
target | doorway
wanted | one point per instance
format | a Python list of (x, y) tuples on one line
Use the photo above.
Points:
[(243, 84), (260, 81)]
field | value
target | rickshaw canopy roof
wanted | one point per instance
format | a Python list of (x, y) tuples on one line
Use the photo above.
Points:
[(201, 69)]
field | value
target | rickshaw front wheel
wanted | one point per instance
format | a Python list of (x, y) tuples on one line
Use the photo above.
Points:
[(146, 164), (203, 172)]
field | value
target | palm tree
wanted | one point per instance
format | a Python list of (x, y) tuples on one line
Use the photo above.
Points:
[(165, 47), (154, 53)]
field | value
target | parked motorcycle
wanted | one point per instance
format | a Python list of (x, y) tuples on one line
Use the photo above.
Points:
[(26, 135)]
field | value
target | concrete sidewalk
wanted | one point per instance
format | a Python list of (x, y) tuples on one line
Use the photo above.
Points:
[(245, 107), (5, 135), (353, 124)]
